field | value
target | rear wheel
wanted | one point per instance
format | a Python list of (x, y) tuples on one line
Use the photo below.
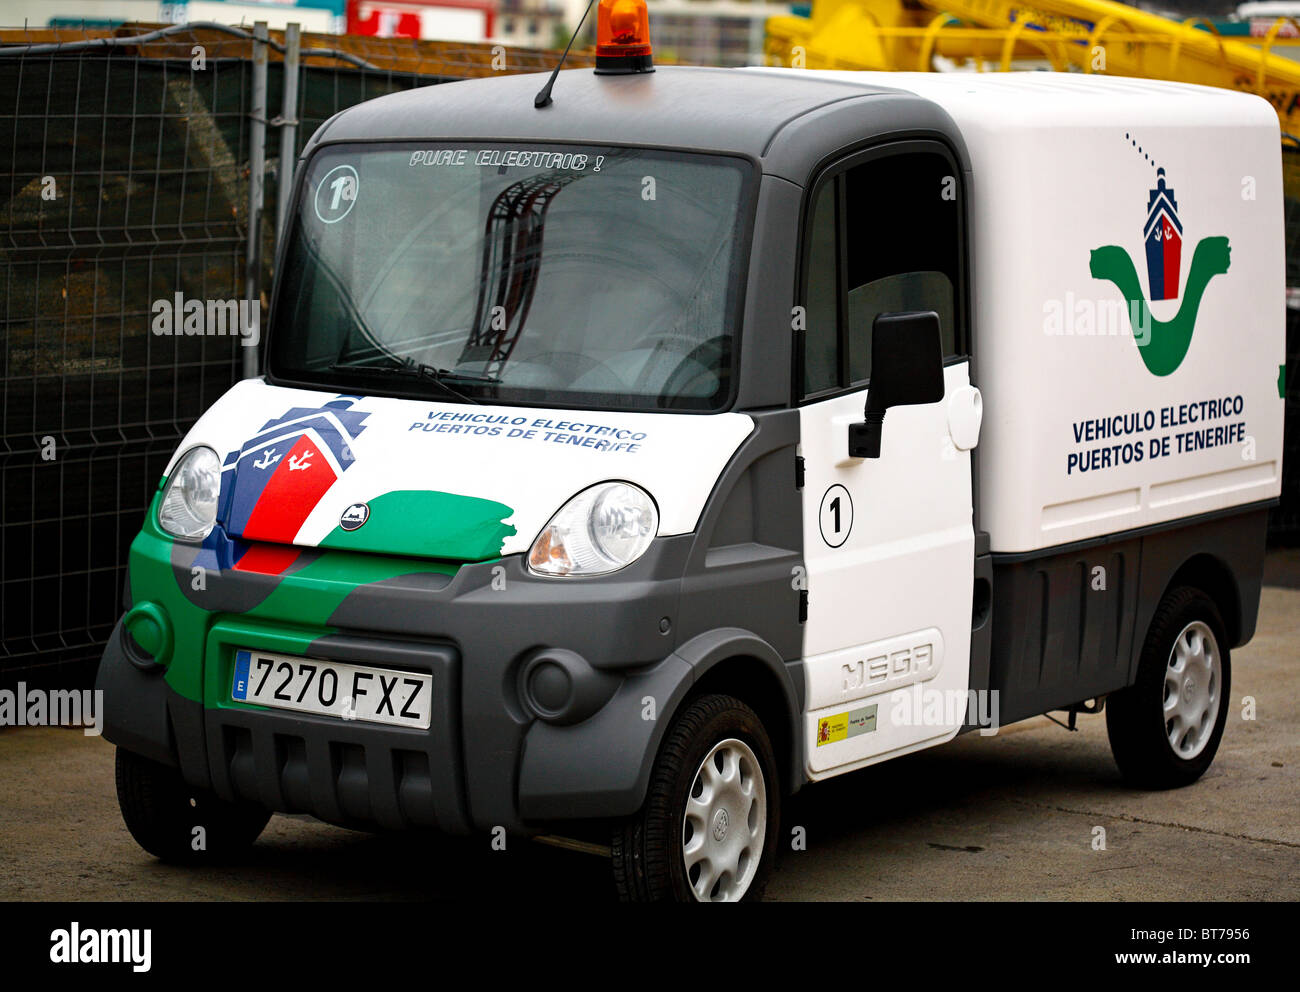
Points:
[(708, 830), (176, 822), (1165, 728)]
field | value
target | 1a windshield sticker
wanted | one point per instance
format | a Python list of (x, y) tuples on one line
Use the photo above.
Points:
[(337, 193)]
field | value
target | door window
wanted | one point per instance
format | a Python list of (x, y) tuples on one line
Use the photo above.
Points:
[(884, 236)]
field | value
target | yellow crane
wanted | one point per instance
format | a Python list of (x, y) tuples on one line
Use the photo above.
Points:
[(1091, 36)]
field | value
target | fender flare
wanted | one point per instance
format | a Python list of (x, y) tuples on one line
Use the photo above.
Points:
[(601, 767)]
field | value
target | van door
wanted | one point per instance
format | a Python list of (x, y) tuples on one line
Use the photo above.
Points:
[(889, 541)]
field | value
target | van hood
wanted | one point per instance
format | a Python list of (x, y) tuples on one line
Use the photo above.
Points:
[(451, 481)]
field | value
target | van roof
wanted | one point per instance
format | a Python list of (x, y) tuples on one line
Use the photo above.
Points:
[(723, 110), (1006, 85), (785, 118), (1026, 100)]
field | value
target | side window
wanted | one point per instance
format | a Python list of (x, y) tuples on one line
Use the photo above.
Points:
[(927, 290), (821, 346), (884, 236)]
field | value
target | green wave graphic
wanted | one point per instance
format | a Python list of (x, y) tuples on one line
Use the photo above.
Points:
[(1166, 341)]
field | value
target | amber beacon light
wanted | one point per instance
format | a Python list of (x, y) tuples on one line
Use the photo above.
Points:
[(623, 37)]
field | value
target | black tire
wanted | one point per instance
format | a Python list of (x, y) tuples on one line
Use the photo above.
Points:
[(162, 813), (1135, 718), (648, 859)]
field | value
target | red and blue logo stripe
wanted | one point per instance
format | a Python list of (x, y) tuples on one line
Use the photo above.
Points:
[(272, 484)]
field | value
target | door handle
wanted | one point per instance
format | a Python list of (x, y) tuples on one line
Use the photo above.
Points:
[(965, 414)]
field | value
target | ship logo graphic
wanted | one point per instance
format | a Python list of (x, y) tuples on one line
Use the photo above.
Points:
[(1164, 238), (1162, 344)]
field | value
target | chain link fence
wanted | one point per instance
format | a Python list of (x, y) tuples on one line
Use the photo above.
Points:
[(127, 156), (126, 181)]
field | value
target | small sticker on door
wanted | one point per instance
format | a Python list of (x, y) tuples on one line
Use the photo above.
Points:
[(836, 516), (842, 726)]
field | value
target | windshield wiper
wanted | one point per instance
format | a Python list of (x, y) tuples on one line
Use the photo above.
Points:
[(395, 366), (478, 377), (434, 375)]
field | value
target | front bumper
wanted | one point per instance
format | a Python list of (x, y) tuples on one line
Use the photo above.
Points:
[(343, 772), (472, 630)]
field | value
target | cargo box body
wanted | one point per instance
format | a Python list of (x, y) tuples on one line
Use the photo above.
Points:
[(1085, 432)]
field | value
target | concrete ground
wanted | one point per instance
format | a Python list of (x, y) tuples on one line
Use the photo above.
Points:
[(1014, 816)]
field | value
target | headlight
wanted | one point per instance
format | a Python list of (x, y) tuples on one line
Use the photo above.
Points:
[(189, 506), (600, 530)]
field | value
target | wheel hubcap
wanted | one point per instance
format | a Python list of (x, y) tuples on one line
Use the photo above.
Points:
[(1192, 689), (725, 823)]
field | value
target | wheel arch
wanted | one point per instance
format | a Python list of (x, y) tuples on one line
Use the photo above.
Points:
[(744, 666), (1212, 576), (558, 778), (1221, 555)]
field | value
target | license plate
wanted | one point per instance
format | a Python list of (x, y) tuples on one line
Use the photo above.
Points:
[(333, 688)]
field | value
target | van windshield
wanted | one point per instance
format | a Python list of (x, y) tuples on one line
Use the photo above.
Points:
[(537, 274)]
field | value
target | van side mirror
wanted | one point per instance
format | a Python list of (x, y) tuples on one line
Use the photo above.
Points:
[(906, 369)]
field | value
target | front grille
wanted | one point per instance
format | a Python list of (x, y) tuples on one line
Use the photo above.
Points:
[(349, 772)]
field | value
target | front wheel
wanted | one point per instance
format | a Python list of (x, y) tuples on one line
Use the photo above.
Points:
[(1165, 728), (708, 829), (176, 822)]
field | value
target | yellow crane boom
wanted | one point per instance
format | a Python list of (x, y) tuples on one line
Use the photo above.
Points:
[(1096, 36)]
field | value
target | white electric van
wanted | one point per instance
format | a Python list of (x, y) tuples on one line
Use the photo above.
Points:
[(630, 462)]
